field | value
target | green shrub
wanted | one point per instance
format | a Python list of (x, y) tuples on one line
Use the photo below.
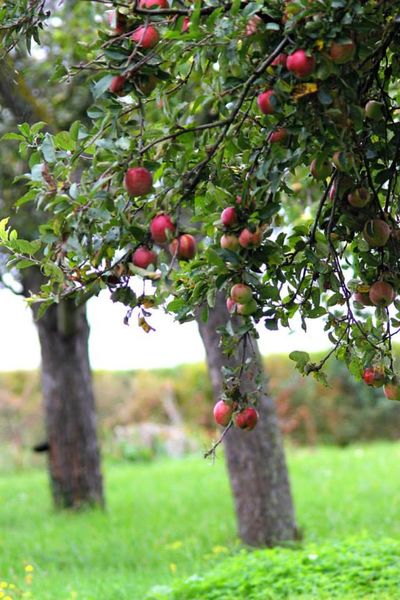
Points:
[(348, 570)]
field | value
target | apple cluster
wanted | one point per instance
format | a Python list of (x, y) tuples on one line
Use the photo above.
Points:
[(244, 418), (138, 181), (145, 37)]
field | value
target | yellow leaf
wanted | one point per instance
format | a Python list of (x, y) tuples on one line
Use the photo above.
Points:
[(304, 89), (144, 325), (319, 44)]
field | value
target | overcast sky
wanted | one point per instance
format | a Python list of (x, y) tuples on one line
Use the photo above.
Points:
[(114, 345)]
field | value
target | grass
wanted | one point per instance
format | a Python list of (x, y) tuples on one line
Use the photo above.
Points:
[(170, 519)]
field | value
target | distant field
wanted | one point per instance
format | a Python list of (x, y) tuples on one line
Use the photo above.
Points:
[(170, 519)]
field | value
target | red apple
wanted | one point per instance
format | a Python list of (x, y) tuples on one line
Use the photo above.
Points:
[(241, 293), (183, 247), (229, 242), (363, 298), (278, 136), (230, 305), (247, 309), (280, 60), (342, 53), (300, 63), (320, 170), (117, 84), (138, 181), (185, 24), (246, 419), (223, 413), (376, 232), (374, 376), (252, 25), (250, 239), (267, 102), (392, 390), (146, 36), (159, 226), (381, 293), (143, 257), (359, 197), (229, 216), (155, 3)]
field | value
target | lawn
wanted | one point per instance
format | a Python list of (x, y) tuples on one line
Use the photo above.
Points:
[(170, 519)]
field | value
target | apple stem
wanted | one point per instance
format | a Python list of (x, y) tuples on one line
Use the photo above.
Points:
[(212, 451)]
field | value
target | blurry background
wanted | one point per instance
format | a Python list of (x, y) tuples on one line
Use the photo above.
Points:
[(153, 392)]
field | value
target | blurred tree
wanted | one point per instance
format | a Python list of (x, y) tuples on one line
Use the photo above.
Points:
[(68, 398)]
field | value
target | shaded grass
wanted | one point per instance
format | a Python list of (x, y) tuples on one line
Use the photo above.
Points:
[(173, 518)]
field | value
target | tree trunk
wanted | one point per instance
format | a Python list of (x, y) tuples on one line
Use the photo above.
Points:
[(256, 460), (74, 460)]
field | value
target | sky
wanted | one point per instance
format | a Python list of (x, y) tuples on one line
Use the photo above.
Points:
[(115, 346)]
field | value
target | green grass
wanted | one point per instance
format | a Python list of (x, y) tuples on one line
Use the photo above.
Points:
[(170, 519)]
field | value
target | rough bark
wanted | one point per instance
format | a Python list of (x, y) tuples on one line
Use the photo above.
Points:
[(73, 456), (256, 460)]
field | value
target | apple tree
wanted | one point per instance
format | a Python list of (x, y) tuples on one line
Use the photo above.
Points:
[(209, 121)]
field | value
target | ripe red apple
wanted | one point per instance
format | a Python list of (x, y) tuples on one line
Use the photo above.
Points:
[(252, 25), (247, 309), (381, 293), (241, 293), (146, 36), (342, 53), (183, 247), (159, 226), (231, 305), (223, 413), (279, 135), (229, 242), (320, 170), (300, 63), (246, 419), (155, 3), (359, 197), (229, 216), (376, 232), (117, 84), (143, 257), (280, 60), (250, 239), (363, 298), (267, 102), (374, 376), (392, 390), (374, 110), (185, 24), (138, 181)]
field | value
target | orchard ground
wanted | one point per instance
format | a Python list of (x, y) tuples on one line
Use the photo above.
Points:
[(172, 519)]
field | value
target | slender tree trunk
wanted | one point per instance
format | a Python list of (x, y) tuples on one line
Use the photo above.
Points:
[(256, 460), (74, 460)]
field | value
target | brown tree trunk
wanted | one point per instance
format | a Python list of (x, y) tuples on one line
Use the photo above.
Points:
[(73, 456), (256, 460)]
